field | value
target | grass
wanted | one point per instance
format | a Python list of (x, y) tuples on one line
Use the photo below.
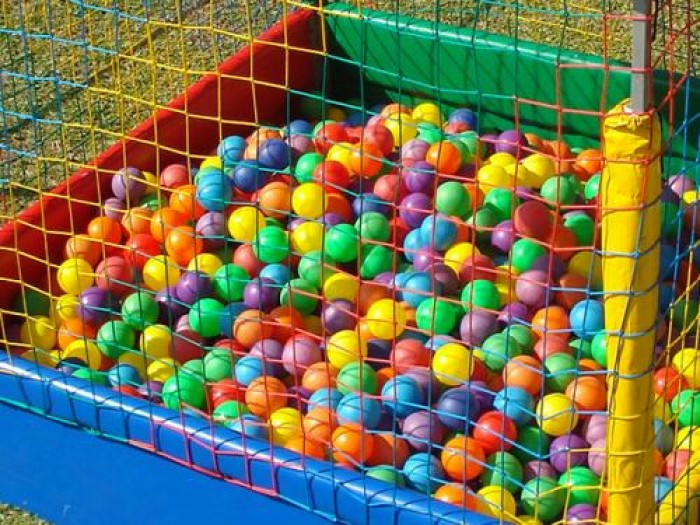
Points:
[(12, 516)]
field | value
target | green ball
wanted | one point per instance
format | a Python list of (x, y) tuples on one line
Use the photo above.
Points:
[(503, 202), (436, 316), (357, 377), (183, 389), (480, 293), (470, 139), (153, 201), (204, 317), (227, 411), (670, 220), (429, 133), (504, 470), (583, 227), (543, 498), (386, 474), (558, 190), (684, 315), (464, 151), (114, 338), (590, 190), (483, 222), (341, 243), (582, 484), (524, 253), (523, 335), (140, 310), (315, 267), (271, 244), (599, 351), (575, 182), (582, 347), (301, 295), (532, 444), (373, 226), (375, 259), (98, 378), (229, 281), (218, 364), (32, 302), (561, 370), (498, 349), (451, 198), (194, 367), (686, 405)]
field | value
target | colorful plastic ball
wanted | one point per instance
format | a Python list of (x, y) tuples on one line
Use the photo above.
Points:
[(438, 231), (309, 200), (588, 393), (245, 223), (250, 426), (341, 243), (503, 470), (123, 374), (228, 411), (140, 310), (325, 397), (183, 389), (231, 149), (83, 247), (229, 282), (587, 318), (344, 347), (480, 294), (75, 275), (496, 501), (386, 319), (274, 154), (299, 353), (452, 364), (476, 326), (213, 191), (357, 377), (494, 431), (423, 472), (114, 338), (524, 253), (402, 395), (261, 294), (421, 429), (562, 370), (409, 354), (337, 315), (387, 475), (497, 350), (360, 409), (300, 295), (204, 317), (457, 407), (248, 176), (105, 230), (436, 316), (551, 320), (160, 271), (128, 184), (462, 458), (319, 424), (556, 414), (516, 404), (668, 382), (193, 286), (524, 372), (264, 395), (543, 498), (352, 444), (582, 484), (686, 407), (271, 245)]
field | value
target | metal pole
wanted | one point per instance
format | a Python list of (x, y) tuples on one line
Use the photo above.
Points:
[(640, 89)]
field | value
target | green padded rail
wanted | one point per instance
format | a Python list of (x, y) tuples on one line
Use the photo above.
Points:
[(543, 88)]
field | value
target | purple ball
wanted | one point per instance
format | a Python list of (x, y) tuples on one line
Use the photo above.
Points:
[(170, 306), (384, 278), (367, 202), (422, 429), (270, 351), (581, 513), (94, 305), (151, 390), (456, 407), (558, 266), (296, 222), (114, 208), (423, 258), (414, 208), (511, 141), (524, 193), (679, 184), (299, 354), (568, 451), (415, 150), (193, 286), (597, 456), (503, 236), (261, 293), (514, 311), (427, 382), (595, 428), (300, 144), (128, 185), (338, 315), (476, 326), (531, 288), (445, 276), (483, 394), (212, 227), (331, 219), (536, 468), (419, 178)]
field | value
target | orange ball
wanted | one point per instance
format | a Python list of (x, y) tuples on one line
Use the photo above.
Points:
[(250, 327), (164, 221), (590, 161), (182, 244), (72, 330), (658, 462), (285, 321), (306, 447), (105, 229), (476, 195), (524, 372), (369, 293), (264, 395), (462, 458), (338, 203), (456, 495), (444, 157), (275, 199), (551, 320), (319, 424), (184, 200), (137, 220), (588, 393), (534, 141), (563, 158), (589, 365), (389, 449), (572, 291), (383, 375), (84, 247), (352, 444), (319, 375), (366, 160)]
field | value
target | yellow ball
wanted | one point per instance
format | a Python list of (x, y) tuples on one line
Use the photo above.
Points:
[(156, 341), (41, 357), (691, 196), (556, 414), (541, 167), (152, 182), (245, 223), (452, 364), (67, 307), (309, 200), (307, 237), (506, 277), (345, 347), (687, 362), (458, 253), (521, 175), (75, 275), (336, 114), (402, 127), (588, 264), (161, 370), (341, 152), (493, 176), (494, 500), (687, 438), (39, 331), (341, 286), (285, 424), (84, 350), (160, 271), (502, 159), (523, 519), (386, 319), (136, 359), (205, 262), (428, 112), (212, 162)]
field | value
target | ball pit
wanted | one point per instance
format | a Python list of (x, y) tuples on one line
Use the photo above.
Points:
[(438, 326)]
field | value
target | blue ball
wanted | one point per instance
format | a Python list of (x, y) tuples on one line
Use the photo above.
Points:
[(662, 486), (249, 367), (248, 177), (457, 407), (274, 154), (667, 261), (516, 404), (369, 202), (124, 374), (360, 409), (663, 436), (464, 115), (402, 395), (231, 149), (438, 232), (213, 191), (251, 426), (423, 472), (436, 342), (412, 243), (419, 286), (356, 118), (299, 127), (325, 398), (228, 315), (279, 273), (587, 318)]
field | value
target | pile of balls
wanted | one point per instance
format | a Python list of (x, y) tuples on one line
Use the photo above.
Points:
[(384, 289)]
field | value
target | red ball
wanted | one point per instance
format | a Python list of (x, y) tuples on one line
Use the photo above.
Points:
[(244, 256), (328, 135), (495, 432), (128, 390), (139, 248), (116, 275), (533, 219), (174, 176), (226, 390), (381, 136), (332, 173), (551, 344), (389, 188), (668, 382), (409, 353), (477, 267), (676, 463)]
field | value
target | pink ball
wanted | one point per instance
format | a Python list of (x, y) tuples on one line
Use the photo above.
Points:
[(476, 326), (422, 429), (597, 456), (531, 288), (299, 354), (414, 149), (270, 351), (174, 176), (567, 451), (537, 469), (595, 428)]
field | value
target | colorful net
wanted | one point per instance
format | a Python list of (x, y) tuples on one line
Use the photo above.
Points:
[(415, 254)]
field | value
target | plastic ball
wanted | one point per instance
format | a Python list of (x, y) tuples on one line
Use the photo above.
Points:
[(357, 377), (352, 444), (423, 472), (515, 403), (75, 275), (183, 389), (309, 200), (583, 485), (360, 409), (299, 353), (344, 347), (264, 395), (543, 498), (402, 395), (160, 271), (128, 184), (480, 294), (457, 407), (452, 364), (386, 319), (587, 318), (588, 393), (341, 243), (204, 317), (556, 414), (438, 231), (123, 374), (114, 338), (462, 459)]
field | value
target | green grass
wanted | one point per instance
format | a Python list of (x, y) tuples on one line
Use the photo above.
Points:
[(12, 516)]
